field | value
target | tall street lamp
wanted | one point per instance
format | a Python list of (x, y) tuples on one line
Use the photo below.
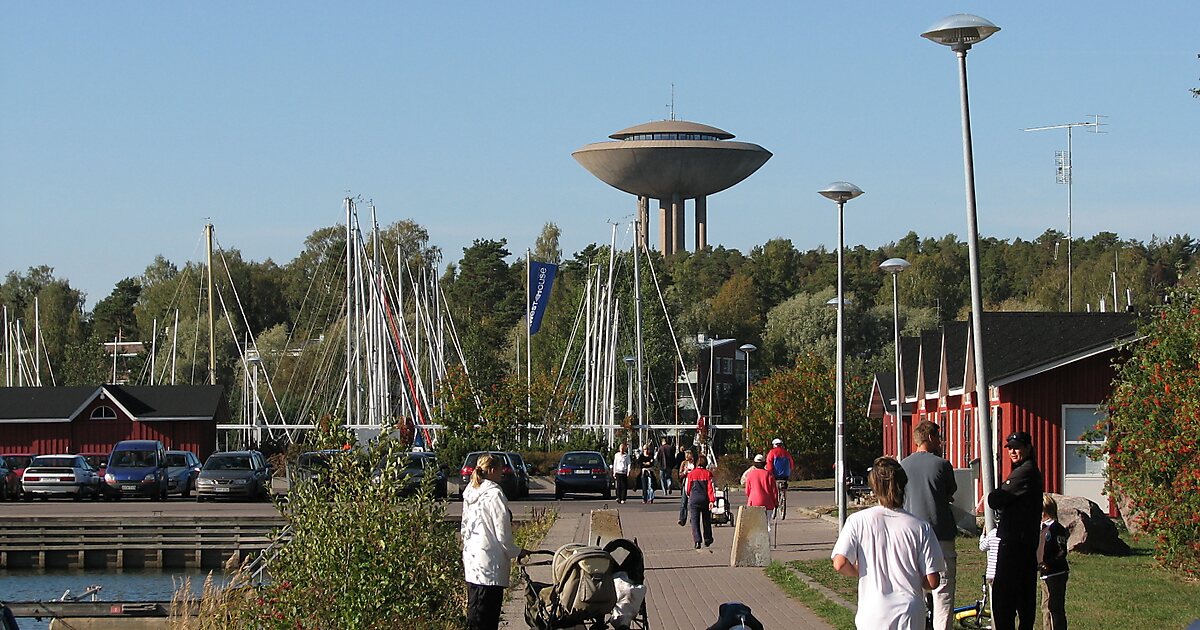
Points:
[(629, 391), (896, 266), (746, 349), (960, 32), (840, 193)]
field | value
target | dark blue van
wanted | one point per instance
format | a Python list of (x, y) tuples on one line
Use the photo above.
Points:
[(137, 468)]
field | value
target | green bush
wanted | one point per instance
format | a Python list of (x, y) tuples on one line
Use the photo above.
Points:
[(360, 556), (1153, 446)]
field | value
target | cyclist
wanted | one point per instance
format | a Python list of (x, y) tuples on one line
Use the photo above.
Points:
[(779, 461)]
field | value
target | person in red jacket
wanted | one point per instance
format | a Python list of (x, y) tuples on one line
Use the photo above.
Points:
[(760, 488), (779, 461), (701, 498)]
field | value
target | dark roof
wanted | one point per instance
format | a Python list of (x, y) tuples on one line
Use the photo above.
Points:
[(1016, 343), (158, 402), (931, 354)]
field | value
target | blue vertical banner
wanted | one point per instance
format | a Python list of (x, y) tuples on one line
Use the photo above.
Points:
[(541, 280)]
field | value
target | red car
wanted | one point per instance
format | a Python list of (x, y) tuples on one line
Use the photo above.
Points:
[(15, 463)]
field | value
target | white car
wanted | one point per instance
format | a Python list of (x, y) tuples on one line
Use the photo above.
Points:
[(69, 475)]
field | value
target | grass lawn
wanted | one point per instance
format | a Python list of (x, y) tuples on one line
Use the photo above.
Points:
[(1103, 592)]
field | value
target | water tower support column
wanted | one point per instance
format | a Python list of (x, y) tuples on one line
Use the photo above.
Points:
[(643, 228), (678, 223), (666, 240), (701, 222)]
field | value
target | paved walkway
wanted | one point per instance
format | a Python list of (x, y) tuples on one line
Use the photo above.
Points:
[(687, 585)]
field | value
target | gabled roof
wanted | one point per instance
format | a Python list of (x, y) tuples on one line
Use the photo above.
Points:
[(1017, 342), (143, 403), (1017, 345)]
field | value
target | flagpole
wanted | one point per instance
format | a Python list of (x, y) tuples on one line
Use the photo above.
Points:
[(528, 335)]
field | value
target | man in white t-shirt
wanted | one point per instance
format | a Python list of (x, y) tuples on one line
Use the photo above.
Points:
[(894, 555)]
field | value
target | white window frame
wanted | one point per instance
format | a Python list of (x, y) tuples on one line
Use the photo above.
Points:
[(1070, 446)]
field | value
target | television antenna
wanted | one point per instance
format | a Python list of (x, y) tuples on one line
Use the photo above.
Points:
[(1062, 162)]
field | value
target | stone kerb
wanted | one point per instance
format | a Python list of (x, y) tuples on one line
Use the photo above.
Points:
[(751, 543), (604, 525)]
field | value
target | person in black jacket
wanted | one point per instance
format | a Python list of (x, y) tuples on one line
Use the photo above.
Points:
[(1019, 502), (1052, 564)]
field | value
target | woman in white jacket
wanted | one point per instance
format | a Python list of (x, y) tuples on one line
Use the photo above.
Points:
[(488, 546)]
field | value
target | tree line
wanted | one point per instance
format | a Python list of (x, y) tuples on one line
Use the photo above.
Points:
[(773, 296)]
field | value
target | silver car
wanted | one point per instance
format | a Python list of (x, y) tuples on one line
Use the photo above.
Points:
[(69, 475), (241, 474)]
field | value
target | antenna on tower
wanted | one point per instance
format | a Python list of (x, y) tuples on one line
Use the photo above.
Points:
[(671, 106), (1096, 124)]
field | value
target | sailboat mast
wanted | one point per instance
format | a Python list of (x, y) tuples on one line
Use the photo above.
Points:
[(212, 340), (637, 325), (349, 314)]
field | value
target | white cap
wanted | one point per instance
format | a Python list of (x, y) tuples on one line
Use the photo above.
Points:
[(758, 459), (776, 442)]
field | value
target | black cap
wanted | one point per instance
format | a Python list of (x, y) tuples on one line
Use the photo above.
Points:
[(1018, 440)]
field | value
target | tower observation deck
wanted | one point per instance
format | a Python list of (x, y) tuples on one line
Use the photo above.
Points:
[(672, 161)]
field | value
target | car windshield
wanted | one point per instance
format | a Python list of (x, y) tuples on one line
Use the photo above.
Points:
[(96, 461), (54, 462), (583, 460), (313, 461), (227, 462), (133, 459), (176, 460)]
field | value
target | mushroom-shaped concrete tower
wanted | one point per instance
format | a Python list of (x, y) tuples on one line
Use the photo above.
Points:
[(672, 161)]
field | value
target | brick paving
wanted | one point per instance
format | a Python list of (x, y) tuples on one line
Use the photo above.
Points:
[(687, 585)]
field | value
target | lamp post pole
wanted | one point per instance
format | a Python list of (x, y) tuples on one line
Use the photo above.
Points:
[(960, 32), (840, 193), (896, 266), (746, 349)]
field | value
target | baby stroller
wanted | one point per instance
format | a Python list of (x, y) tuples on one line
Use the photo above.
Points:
[(584, 590), (720, 512), (630, 581)]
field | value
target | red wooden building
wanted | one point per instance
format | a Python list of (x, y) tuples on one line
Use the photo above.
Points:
[(91, 419), (1048, 374)]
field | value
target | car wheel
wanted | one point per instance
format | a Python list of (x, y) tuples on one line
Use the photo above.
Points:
[(558, 493)]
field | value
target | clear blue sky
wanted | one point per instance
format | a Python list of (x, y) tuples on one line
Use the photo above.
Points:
[(125, 125)]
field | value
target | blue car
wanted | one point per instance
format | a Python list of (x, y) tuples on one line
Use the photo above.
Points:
[(182, 469), (138, 468)]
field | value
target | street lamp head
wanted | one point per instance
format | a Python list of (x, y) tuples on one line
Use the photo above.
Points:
[(960, 31), (629, 360), (833, 301), (748, 348), (841, 192), (894, 265)]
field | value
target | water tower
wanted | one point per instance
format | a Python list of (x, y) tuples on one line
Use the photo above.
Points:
[(672, 161)]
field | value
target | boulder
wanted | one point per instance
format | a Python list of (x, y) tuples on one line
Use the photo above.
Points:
[(1091, 530), (603, 526)]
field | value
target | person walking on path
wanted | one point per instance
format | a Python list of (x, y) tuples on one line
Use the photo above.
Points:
[(779, 461), (664, 459), (685, 466), (927, 496), (1052, 564), (646, 474), (894, 555), (488, 546), (701, 498), (621, 465), (1019, 502), (760, 488)]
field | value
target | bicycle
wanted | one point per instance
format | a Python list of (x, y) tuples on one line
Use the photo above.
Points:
[(781, 487), (976, 616)]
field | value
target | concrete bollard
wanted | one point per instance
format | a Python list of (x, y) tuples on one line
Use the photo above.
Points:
[(751, 544), (604, 526)]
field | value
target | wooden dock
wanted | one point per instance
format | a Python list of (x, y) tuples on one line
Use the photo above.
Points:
[(129, 542)]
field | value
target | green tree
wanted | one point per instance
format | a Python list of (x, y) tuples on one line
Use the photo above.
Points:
[(114, 315), (1153, 445), (546, 248), (486, 298)]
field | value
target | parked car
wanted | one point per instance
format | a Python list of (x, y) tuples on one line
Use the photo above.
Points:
[(244, 474), (522, 472), (408, 470), (582, 471), (508, 481), (182, 469), (99, 461), (137, 468), (17, 462), (69, 475), (10, 482)]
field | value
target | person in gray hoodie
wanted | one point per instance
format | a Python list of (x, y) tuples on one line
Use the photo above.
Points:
[(488, 546), (928, 495)]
